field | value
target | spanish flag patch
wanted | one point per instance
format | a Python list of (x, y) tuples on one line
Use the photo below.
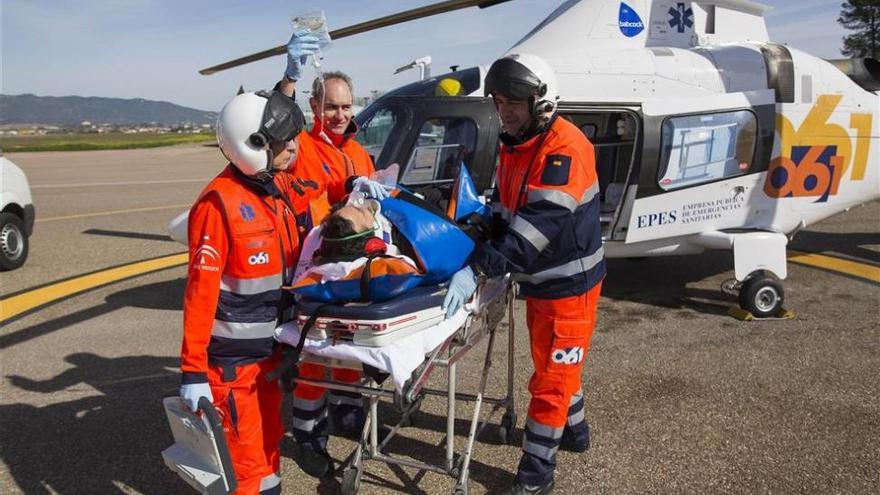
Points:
[(556, 169)]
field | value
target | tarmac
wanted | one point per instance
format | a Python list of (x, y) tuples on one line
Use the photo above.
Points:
[(681, 397)]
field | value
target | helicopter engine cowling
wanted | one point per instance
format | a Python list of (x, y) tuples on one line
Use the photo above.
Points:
[(863, 71)]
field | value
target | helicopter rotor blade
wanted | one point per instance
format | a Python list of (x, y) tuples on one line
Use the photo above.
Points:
[(389, 20)]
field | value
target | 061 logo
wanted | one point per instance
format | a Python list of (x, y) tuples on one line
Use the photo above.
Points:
[(568, 355), (816, 156), (260, 258), (811, 171)]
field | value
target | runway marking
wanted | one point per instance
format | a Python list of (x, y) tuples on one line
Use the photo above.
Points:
[(130, 183), (112, 212), (15, 305), (18, 304), (863, 271)]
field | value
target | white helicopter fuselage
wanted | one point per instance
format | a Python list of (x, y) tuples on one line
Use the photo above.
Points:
[(702, 72), (707, 134)]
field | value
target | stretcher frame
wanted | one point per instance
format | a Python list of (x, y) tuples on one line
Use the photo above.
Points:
[(483, 322)]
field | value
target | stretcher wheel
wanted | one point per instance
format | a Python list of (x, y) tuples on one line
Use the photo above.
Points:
[(459, 490), (351, 480), (505, 429)]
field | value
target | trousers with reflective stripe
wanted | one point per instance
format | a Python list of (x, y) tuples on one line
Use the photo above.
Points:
[(251, 410), (560, 331), (310, 402)]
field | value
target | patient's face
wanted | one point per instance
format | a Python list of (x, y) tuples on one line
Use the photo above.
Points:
[(361, 217)]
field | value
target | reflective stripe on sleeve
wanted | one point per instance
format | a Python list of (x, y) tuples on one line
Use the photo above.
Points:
[(232, 330), (562, 198), (528, 231), (570, 269), (554, 196), (590, 193)]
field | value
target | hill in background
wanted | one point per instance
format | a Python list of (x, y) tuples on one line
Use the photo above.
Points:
[(67, 111)]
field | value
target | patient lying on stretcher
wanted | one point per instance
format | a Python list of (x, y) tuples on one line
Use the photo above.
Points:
[(373, 251)]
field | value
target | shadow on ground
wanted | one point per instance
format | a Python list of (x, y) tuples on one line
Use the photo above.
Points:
[(663, 282), (107, 443)]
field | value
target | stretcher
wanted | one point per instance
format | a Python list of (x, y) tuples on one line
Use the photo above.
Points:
[(409, 357)]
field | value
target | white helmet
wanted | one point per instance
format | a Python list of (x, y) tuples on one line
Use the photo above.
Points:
[(523, 76), (251, 122)]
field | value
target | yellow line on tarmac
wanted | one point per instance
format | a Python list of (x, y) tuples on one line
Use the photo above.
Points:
[(847, 267), (112, 212), (16, 305)]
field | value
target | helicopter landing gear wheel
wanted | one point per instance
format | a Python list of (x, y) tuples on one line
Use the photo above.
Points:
[(762, 295)]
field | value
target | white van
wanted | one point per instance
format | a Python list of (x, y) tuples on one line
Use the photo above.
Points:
[(17, 217)]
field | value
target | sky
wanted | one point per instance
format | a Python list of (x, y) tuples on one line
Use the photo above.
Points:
[(153, 49)]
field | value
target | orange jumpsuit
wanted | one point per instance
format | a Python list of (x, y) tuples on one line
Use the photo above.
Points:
[(243, 246), (547, 194), (330, 161)]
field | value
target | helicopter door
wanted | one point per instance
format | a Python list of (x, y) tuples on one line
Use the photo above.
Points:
[(701, 166), (613, 133)]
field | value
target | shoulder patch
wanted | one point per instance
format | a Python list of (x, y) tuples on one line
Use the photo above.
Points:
[(556, 169)]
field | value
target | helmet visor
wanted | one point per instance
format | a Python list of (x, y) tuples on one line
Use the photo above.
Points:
[(282, 118)]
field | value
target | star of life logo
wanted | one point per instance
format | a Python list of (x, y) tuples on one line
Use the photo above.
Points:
[(681, 17), (247, 212), (568, 355), (206, 257)]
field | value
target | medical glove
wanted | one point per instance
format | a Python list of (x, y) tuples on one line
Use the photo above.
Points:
[(461, 288), (370, 187), (288, 333), (302, 44), (190, 393)]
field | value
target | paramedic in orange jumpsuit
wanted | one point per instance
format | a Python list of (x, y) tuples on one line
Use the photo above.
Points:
[(243, 246), (547, 204), (330, 164)]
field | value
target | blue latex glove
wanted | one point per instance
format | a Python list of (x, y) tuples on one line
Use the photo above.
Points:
[(461, 288), (370, 187), (190, 393), (301, 45)]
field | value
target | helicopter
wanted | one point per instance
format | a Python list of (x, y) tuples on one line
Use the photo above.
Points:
[(707, 134)]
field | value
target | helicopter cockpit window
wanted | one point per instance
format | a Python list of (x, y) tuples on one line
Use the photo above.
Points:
[(704, 148), (443, 144), (374, 134)]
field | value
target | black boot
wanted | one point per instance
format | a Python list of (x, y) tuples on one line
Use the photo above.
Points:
[(523, 489), (348, 421), (314, 461)]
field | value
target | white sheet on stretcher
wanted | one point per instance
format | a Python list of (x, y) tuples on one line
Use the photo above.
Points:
[(400, 358)]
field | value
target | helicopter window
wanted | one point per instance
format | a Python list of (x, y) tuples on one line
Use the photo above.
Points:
[(702, 148), (443, 144), (590, 131), (375, 132)]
